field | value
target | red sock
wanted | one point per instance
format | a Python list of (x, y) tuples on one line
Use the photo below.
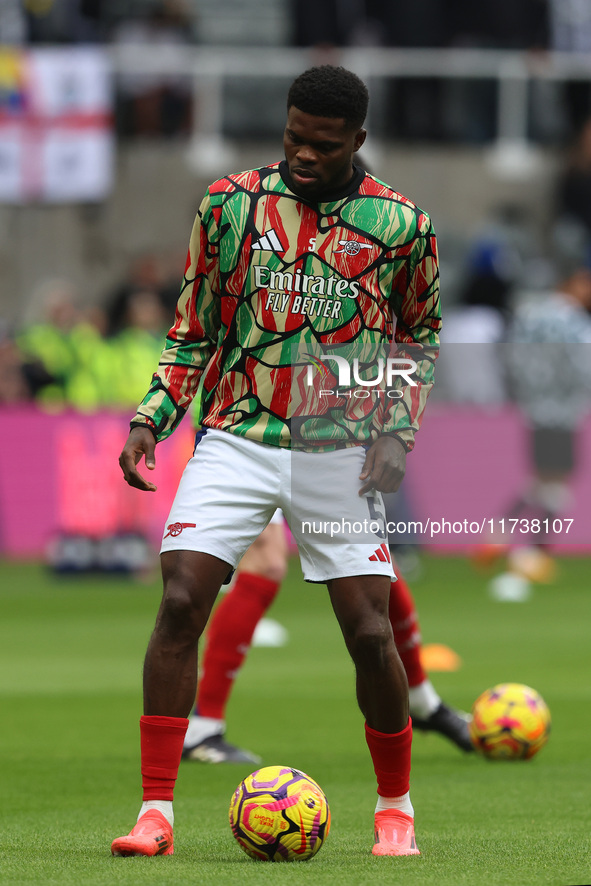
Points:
[(228, 640), (407, 634), (390, 753), (161, 746)]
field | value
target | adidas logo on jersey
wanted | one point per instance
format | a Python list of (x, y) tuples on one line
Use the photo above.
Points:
[(269, 242)]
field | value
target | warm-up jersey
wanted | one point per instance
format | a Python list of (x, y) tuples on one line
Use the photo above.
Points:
[(269, 273)]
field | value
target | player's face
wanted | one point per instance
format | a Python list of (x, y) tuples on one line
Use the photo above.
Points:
[(319, 152)]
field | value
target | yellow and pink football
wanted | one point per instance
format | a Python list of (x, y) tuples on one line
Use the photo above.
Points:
[(279, 814), (509, 722)]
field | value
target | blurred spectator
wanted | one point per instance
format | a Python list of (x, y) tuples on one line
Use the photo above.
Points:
[(70, 347), (65, 360), (47, 338), (14, 383), (549, 363), (16, 387), (470, 366), (550, 370), (148, 272), (136, 348), (152, 104)]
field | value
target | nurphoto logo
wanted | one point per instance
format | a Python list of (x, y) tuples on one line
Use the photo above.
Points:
[(385, 375)]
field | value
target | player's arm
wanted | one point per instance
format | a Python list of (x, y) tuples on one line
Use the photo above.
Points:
[(192, 338), (415, 303), (416, 306), (188, 348)]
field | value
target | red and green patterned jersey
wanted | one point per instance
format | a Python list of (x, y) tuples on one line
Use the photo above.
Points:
[(268, 272)]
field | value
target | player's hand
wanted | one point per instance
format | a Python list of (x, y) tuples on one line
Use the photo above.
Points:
[(384, 466), (140, 443)]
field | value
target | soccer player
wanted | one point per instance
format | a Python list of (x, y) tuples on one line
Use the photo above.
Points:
[(549, 371), (308, 252), (230, 633)]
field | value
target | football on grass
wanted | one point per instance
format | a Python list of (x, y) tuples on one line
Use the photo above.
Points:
[(509, 722), (279, 814)]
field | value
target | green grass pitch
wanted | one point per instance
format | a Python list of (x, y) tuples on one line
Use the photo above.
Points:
[(71, 653)]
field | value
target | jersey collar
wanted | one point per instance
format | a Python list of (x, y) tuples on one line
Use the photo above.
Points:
[(330, 197)]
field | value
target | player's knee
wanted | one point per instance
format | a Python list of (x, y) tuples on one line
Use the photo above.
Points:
[(369, 644), (182, 615)]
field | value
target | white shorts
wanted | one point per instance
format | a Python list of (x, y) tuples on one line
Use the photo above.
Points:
[(231, 489)]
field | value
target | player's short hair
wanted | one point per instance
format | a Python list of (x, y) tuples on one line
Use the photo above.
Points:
[(330, 91)]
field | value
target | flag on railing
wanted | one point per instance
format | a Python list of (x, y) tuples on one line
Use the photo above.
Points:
[(56, 125)]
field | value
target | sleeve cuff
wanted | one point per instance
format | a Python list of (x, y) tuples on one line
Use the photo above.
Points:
[(406, 438), (138, 423)]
